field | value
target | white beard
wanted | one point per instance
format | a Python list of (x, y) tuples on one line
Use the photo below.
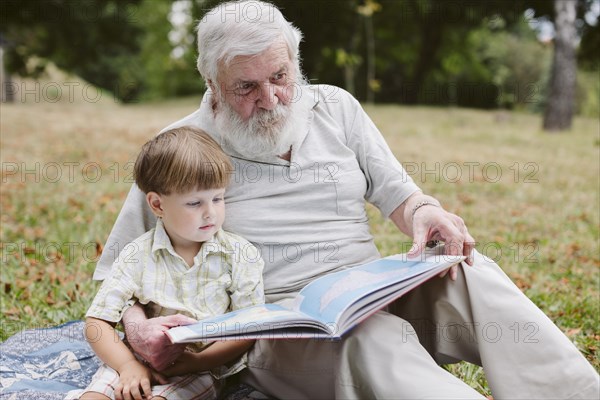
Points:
[(266, 133)]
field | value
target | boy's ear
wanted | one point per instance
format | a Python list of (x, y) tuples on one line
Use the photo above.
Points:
[(155, 203)]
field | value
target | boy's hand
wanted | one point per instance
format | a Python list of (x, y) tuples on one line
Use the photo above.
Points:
[(134, 381)]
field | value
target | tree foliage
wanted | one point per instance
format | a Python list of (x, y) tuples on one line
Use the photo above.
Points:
[(427, 50), (168, 53), (93, 39), (460, 52)]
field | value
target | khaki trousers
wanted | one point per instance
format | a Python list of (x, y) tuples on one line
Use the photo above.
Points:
[(482, 317)]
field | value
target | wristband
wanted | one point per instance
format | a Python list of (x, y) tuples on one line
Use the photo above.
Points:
[(421, 204)]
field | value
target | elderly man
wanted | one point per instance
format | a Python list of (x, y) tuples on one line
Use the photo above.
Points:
[(306, 158)]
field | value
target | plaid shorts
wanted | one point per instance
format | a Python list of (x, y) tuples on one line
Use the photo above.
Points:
[(186, 387)]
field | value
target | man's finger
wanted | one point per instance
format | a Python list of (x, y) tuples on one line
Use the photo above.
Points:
[(454, 248), (418, 245), (468, 252), (177, 320), (468, 249), (415, 249), (454, 272)]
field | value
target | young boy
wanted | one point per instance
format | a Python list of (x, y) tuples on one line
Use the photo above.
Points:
[(186, 265)]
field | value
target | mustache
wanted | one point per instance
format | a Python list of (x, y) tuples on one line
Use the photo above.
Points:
[(266, 132), (269, 118)]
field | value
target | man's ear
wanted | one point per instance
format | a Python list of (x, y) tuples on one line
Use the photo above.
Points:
[(211, 85), (155, 203)]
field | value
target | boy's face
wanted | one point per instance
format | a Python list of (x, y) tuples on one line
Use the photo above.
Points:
[(192, 217)]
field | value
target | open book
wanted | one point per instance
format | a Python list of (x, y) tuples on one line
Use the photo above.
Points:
[(327, 307)]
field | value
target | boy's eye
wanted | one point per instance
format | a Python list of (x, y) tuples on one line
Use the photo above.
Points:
[(194, 203), (217, 199)]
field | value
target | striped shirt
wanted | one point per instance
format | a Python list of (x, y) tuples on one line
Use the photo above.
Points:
[(226, 276)]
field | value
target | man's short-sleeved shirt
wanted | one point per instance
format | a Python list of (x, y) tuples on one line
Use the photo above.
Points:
[(307, 214)]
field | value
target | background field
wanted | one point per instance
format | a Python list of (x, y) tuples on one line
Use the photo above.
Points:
[(531, 200)]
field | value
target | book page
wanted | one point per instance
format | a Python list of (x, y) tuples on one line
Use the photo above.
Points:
[(328, 297), (326, 307), (242, 323)]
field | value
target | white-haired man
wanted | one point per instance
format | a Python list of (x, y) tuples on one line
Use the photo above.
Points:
[(306, 158)]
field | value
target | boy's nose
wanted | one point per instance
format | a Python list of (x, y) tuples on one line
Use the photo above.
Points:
[(209, 212)]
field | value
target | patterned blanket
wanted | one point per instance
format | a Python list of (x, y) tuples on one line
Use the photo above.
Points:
[(45, 364)]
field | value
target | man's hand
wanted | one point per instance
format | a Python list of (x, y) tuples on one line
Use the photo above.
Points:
[(434, 223), (148, 339), (421, 217)]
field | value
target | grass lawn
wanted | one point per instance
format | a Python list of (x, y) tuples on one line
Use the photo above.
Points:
[(530, 199)]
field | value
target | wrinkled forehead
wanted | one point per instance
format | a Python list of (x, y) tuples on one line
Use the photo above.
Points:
[(257, 67)]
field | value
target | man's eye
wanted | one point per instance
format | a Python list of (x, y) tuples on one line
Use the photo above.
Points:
[(280, 76), (244, 88)]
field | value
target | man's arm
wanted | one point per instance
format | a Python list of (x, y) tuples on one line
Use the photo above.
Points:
[(217, 354), (133, 221), (393, 191), (148, 339), (423, 218)]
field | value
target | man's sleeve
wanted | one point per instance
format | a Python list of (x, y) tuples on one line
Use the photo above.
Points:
[(133, 221), (388, 184)]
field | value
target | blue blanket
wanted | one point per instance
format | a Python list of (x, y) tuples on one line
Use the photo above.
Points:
[(46, 363)]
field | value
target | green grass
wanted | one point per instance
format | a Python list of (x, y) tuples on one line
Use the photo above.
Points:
[(530, 199)]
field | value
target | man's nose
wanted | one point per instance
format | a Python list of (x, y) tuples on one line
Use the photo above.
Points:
[(268, 98)]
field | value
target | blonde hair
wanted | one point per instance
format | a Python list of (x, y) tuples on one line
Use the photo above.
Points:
[(181, 160)]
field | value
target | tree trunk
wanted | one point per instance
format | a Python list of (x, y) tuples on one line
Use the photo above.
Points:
[(370, 38), (6, 90), (431, 29), (351, 63), (560, 107)]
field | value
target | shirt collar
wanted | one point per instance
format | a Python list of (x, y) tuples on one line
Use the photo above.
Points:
[(161, 238)]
